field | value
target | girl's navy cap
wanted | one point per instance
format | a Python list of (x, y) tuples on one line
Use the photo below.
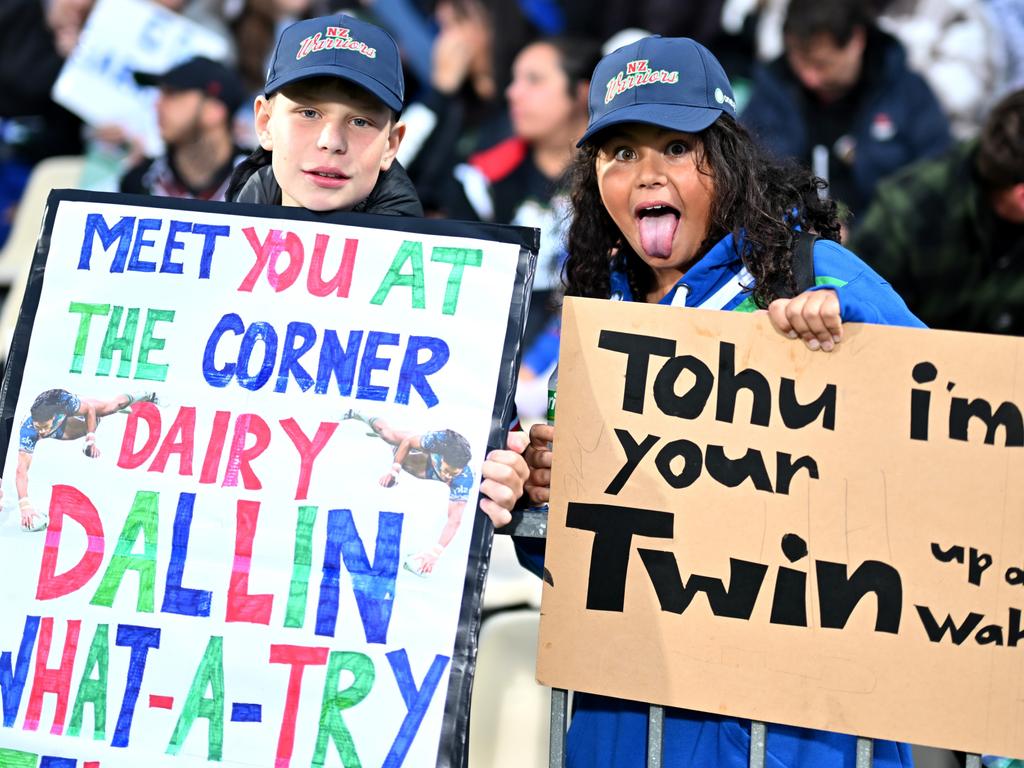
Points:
[(671, 82), (339, 46)]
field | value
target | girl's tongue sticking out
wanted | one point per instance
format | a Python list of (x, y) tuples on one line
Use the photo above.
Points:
[(657, 230)]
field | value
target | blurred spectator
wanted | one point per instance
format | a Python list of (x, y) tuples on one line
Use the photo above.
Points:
[(733, 44), (518, 180), (670, 18), (956, 46), (32, 126), (844, 100), (194, 111), (516, 23), (67, 17), (458, 108), (948, 233), (255, 26)]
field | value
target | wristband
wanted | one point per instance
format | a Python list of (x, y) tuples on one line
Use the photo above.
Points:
[(24, 502), (90, 438), (436, 550)]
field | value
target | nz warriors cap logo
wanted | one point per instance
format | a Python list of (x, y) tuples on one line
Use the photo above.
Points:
[(334, 38), (637, 73)]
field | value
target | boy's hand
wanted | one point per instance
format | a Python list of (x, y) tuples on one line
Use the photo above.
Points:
[(538, 457), (812, 316), (504, 474)]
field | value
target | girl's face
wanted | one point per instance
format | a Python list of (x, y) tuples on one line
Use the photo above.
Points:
[(651, 187), (538, 96)]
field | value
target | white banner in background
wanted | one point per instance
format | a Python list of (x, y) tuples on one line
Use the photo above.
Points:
[(121, 37)]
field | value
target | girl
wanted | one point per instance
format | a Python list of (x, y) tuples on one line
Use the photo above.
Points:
[(673, 204)]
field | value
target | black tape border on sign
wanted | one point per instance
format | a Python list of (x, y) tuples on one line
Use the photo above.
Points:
[(453, 749)]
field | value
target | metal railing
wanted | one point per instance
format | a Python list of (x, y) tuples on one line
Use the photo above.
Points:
[(533, 523)]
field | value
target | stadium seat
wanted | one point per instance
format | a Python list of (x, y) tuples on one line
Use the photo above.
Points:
[(509, 718)]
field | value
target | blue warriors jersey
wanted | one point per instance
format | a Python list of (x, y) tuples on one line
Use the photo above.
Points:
[(461, 484), (67, 405)]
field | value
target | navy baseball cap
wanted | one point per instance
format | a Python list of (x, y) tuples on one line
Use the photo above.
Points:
[(671, 82), (339, 46), (200, 74)]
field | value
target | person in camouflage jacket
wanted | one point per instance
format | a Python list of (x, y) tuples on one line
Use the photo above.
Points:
[(948, 233)]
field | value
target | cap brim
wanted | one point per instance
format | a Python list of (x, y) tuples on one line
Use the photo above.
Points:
[(675, 117), (147, 78), (334, 70)]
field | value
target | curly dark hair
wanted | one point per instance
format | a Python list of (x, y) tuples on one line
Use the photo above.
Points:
[(454, 449), (753, 194), (47, 404)]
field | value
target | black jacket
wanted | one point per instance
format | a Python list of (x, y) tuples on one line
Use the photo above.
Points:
[(392, 195), (894, 119)]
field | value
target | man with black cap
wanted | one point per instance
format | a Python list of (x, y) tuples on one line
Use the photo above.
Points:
[(198, 99)]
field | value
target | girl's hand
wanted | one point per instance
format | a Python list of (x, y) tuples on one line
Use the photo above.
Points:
[(538, 457), (812, 316)]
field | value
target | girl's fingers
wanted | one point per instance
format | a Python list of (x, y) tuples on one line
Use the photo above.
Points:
[(795, 316), (777, 315), (541, 435), (816, 335), (538, 494), (821, 312)]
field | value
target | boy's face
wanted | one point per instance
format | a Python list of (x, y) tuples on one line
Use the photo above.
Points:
[(330, 141)]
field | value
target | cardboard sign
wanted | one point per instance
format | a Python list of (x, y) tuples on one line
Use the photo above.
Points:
[(251, 430), (742, 526), (121, 37)]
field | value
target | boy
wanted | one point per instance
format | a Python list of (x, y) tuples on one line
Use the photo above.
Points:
[(328, 126), (328, 123)]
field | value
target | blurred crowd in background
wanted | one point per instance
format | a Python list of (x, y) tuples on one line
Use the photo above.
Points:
[(909, 108)]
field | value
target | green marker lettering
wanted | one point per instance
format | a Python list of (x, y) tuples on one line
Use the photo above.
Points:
[(81, 341), (93, 690), (410, 251), (459, 258), (142, 517), (332, 724)]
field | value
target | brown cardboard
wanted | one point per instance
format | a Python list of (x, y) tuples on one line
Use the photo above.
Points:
[(880, 496)]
